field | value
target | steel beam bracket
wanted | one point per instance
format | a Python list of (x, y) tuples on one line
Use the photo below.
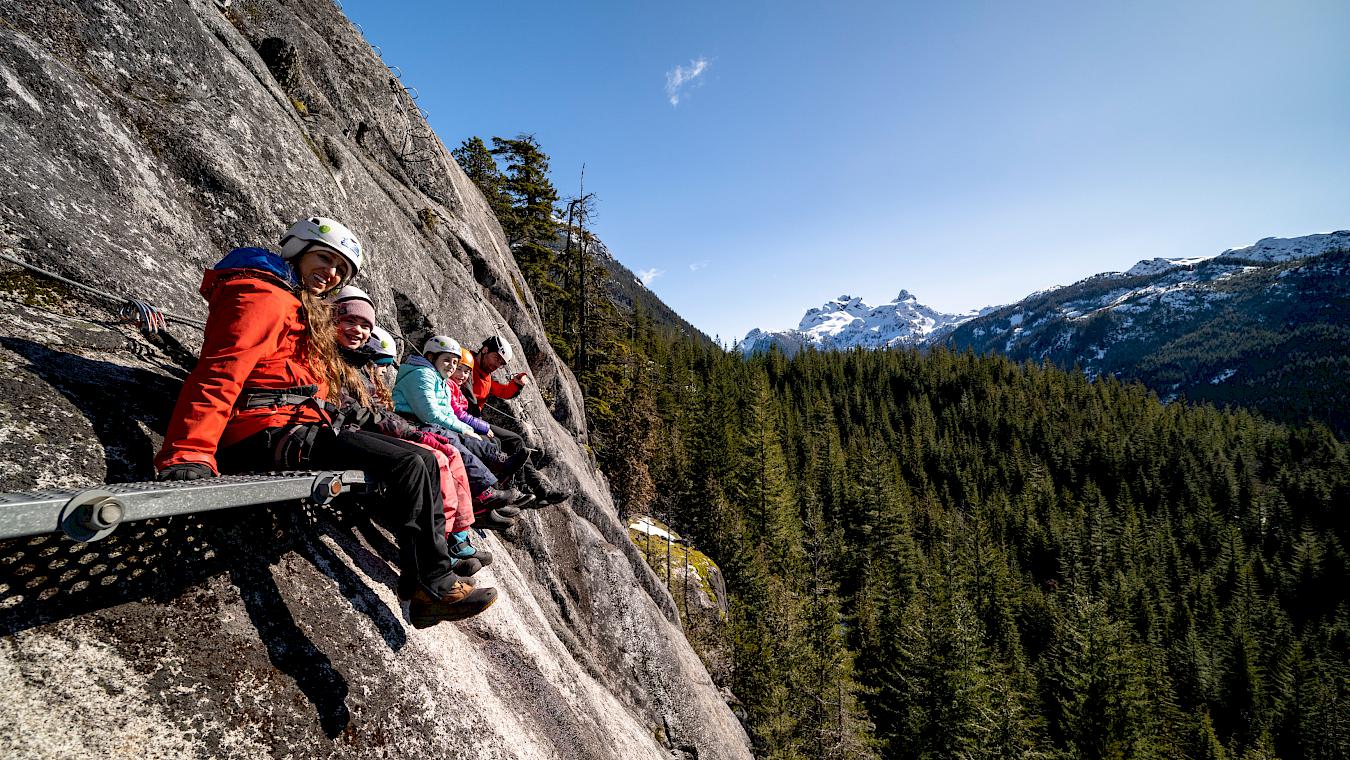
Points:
[(327, 486), (91, 515)]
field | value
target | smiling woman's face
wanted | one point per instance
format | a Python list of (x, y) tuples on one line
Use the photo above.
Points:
[(352, 331), (321, 269)]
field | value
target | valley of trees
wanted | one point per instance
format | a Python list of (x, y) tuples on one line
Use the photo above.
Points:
[(957, 556)]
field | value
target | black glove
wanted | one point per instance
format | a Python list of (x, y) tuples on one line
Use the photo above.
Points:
[(190, 471)]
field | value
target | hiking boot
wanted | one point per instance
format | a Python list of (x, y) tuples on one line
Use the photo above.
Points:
[(493, 519), (546, 497), (424, 609), (511, 465)]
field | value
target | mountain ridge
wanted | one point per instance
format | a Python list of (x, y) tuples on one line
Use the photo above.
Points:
[(1175, 324)]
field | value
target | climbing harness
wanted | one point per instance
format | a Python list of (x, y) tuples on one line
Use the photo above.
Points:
[(256, 398), (150, 319)]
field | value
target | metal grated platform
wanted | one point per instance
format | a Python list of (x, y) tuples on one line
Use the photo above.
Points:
[(92, 513)]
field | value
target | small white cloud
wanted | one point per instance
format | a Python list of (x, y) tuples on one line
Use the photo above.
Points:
[(647, 275), (681, 78), (697, 265)]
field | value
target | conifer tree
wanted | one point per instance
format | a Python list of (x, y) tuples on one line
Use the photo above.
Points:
[(477, 161), (532, 225)]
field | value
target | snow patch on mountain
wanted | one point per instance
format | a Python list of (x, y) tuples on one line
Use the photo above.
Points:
[(1149, 267), (1276, 250)]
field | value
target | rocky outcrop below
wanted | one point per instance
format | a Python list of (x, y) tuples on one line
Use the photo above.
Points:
[(699, 589), (138, 142)]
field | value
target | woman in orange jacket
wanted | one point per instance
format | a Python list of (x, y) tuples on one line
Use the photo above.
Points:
[(258, 401)]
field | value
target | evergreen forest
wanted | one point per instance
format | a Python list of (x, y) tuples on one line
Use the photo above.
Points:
[(948, 555)]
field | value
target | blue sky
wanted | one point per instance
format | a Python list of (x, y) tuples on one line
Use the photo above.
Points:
[(968, 152)]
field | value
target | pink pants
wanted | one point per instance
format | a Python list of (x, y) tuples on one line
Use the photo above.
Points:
[(454, 489)]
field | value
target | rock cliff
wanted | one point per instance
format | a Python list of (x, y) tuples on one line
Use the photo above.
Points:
[(138, 142)]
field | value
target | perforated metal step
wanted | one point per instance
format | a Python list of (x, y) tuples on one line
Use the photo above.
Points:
[(92, 513)]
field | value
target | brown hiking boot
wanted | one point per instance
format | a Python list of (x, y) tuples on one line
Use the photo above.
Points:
[(424, 610)]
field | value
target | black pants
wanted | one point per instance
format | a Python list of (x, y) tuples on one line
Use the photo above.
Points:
[(412, 483), (509, 440)]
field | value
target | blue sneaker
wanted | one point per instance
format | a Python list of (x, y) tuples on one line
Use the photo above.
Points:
[(462, 549)]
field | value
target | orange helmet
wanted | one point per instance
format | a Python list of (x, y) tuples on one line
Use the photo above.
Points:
[(466, 358)]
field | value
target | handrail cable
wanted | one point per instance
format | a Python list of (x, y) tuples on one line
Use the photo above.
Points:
[(149, 318)]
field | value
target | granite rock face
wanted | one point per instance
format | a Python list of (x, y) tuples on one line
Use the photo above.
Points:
[(138, 142)]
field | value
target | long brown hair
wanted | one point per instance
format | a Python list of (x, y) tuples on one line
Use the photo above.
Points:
[(321, 351), (382, 393)]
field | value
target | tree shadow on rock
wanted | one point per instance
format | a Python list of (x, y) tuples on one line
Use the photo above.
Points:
[(288, 648)]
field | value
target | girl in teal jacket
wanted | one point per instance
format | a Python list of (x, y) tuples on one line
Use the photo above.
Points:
[(421, 392), (420, 389)]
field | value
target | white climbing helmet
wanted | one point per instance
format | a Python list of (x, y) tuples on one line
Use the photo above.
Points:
[(351, 292), (382, 343), (326, 232), (440, 344), (498, 344)]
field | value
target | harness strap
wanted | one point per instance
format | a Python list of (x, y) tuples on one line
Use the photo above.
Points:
[(256, 398)]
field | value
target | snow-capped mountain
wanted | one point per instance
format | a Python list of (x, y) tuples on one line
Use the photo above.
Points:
[(1094, 323), (1266, 326), (847, 322)]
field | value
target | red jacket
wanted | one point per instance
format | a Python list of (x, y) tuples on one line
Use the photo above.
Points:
[(254, 340), (482, 385)]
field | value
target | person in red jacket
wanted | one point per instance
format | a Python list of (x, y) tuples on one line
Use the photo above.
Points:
[(258, 401), (494, 354)]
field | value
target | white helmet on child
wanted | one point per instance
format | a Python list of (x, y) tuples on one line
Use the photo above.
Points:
[(441, 344), (382, 343), (326, 232), (351, 292)]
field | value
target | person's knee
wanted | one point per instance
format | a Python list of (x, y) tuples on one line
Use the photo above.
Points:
[(428, 459)]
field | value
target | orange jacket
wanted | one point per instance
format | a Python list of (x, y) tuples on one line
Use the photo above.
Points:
[(254, 340), (483, 385)]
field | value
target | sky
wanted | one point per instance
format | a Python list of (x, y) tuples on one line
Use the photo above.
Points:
[(755, 159)]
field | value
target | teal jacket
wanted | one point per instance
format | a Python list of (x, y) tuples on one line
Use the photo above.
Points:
[(421, 391)]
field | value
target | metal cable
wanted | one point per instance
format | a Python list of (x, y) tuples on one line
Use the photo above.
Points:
[(150, 318)]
